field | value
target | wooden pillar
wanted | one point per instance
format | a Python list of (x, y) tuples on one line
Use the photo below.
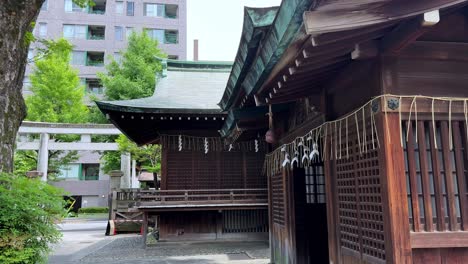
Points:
[(219, 224), (394, 196), (333, 248), (163, 184), (145, 228)]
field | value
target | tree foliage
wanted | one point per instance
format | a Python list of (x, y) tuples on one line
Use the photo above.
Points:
[(57, 92), (29, 210), (148, 157), (134, 77), (57, 97)]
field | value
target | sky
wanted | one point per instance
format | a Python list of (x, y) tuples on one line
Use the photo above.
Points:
[(217, 24)]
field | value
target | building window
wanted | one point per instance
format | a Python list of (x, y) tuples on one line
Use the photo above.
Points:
[(78, 57), (130, 8), (70, 6), (90, 172), (128, 32), (70, 171), (118, 57), (75, 31), (119, 7), (315, 184), (164, 36), (45, 5), (119, 33), (157, 34), (42, 30), (94, 86), (154, 10)]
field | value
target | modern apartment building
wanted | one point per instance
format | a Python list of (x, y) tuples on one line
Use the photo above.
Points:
[(101, 31)]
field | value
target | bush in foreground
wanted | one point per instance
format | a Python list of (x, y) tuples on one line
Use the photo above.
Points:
[(93, 210), (29, 211)]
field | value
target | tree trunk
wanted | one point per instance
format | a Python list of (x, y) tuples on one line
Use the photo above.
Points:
[(16, 17)]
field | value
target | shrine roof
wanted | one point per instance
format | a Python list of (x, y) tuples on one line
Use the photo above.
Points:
[(186, 87), (257, 21)]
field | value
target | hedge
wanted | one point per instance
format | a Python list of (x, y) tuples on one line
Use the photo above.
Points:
[(93, 210)]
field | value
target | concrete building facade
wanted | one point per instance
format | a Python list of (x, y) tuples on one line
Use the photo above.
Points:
[(101, 32)]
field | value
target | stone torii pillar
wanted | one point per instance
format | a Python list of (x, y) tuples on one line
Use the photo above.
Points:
[(43, 156)]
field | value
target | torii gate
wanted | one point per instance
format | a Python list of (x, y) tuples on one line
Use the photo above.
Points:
[(44, 144)]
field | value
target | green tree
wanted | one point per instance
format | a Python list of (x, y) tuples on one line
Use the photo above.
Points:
[(57, 97), (148, 157), (57, 92), (28, 213), (17, 22), (134, 77)]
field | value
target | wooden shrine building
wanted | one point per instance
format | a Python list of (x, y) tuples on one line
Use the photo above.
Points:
[(368, 158), (208, 190), (367, 130)]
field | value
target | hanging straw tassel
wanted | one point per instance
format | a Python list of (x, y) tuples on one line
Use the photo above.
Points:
[(465, 111), (450, 125), (372, 126), (434, 124), (347, 142), (357, 130), (339, 156), (400, 121), (408, 126), (364, 132), (336, 142)]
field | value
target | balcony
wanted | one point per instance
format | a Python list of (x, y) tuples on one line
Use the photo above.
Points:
[(190, 200), (96, 33), (99, 7), (95, 59)]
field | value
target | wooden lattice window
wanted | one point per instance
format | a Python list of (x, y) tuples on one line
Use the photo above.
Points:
[(436, 175), (360, 210), (315, 184), (277, 188)]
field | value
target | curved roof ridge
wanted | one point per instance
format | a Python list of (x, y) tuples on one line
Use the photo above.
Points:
[(256, 22)]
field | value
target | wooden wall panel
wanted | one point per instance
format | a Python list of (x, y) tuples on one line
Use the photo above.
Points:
[(214, 170), (187, 225), (440, 255)]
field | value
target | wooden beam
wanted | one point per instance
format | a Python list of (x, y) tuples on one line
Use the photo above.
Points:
[(439, 239), (336, 16), (352, 36), (455, 51), (408, 32)]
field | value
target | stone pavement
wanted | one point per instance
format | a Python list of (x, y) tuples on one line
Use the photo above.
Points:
[(128, 249)]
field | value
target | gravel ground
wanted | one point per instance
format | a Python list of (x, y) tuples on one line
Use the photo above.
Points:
[(123, 249)]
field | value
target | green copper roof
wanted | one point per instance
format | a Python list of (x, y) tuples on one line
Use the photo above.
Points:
[(280, 34), (256, 23), (186, 87)]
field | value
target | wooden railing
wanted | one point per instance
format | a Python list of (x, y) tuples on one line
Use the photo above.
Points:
[(150, 198)]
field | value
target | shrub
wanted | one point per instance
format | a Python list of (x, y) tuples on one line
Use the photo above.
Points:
[(29, 211), (93, 210)]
